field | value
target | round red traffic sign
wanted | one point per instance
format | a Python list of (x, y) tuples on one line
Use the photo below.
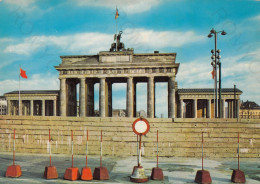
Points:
[(141, 126)]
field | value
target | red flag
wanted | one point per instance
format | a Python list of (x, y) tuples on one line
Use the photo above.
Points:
[(117, 14), (23, 73), (213, 73)]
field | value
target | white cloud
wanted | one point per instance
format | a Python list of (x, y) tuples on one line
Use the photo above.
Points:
[(20, 3), (79, 43), (149, 39), (194, 74), (127, 6), (36, 82), (255, 18), (92, 43), (242, 70), (4, 40)]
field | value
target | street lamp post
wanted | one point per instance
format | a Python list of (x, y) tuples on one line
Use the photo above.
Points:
[(216, 61)]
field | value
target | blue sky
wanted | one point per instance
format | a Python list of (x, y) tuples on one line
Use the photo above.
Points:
[(34, 34)]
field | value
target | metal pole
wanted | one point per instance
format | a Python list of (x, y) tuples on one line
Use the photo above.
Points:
[(137, 150), (72, 147), (14, 149), (50, 145), (238, 152), (19, 98), (87, 151), (157, 150), (140, 151), (235, 103), (202, 152), (219, 82), (216, 85), (101, 150)]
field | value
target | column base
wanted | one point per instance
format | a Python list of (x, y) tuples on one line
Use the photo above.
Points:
[(203, 177), (13, 171), (238, 176)]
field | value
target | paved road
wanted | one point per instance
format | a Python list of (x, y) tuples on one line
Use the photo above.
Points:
[(176, 170)]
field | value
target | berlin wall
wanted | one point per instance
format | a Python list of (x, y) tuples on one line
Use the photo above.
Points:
[(177, 137)]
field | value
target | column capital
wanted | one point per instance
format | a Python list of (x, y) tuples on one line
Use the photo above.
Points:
[(172, 77)]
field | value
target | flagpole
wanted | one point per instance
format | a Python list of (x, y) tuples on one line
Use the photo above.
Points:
[(116, 27), (214, 93), (19, 92)]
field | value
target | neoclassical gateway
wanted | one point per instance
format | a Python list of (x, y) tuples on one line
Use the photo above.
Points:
[(119, 65)]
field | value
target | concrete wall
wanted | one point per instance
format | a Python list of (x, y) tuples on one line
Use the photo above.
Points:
[(181, 138)]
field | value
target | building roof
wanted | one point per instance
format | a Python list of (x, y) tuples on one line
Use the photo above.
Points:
[(249, 105), (35, 92), (207, 90)]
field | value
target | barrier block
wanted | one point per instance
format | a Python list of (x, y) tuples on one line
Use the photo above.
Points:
[(13, 171), (157, 174), (101, 173), (50, 172), (72, 174), (238, 176), (203, 177), (86, 174)]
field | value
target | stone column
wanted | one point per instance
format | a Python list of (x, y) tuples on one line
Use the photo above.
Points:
[(150, 98), (8, 107), (82, 98), (89, 97), (63, 97), (204, 109), (134, 98), (171, 97), (208, 108), (20, 112), (25, 108), (238, 108), (43, 107), (181, 108), (223, 108), (232, 109), (55, 107), (102, 100), (108, 99), (129, 102), (31, 107), (195, 101)]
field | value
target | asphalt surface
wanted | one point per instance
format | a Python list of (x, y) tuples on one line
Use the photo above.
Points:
[(176, 170)]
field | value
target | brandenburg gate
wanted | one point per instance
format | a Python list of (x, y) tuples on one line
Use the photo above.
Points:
[(119, 65), (107, 68)]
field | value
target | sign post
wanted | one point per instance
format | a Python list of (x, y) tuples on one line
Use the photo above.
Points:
[(86, 173), (238, 176), (140, 127), (101, 173), (50, 171), (72, 173), (157, 173), (202, 176), (13, 171)]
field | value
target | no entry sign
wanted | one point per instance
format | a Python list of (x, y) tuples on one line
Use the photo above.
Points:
[(141, 126)]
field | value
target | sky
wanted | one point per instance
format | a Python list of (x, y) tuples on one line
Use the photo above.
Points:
[(35, 33)]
